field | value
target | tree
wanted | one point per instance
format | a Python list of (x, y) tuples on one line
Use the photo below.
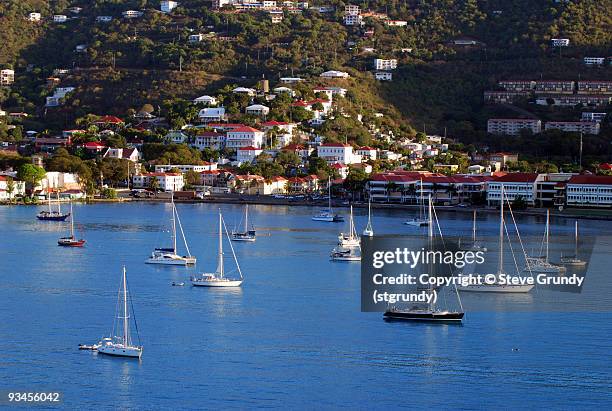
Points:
[(30, 174), (10, 187), (192, 178), (153, 184)]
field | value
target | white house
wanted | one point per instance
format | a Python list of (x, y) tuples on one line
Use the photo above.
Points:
[(206, 100), (594, 61), (334, 74), (338, 153), (286, 131), (18, 188), (166, 6), (60, 18), (244, 136), (247, 154), (244, 90), (34, 16), (209, 139), (80, 48), (281, 90), (385, 64), (210, 114), (7, 77), (166, 181), (331, 91), (196, 38), (276, 16), (132, 14), (257, 110), (131, 154), (290, 80), (176, 136), (383, 76), (367, 153), (560, 42)]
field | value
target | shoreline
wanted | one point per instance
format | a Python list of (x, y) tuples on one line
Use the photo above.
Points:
[(571, 213)]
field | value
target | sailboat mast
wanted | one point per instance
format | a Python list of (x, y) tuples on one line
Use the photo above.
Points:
[(49, 198), (71, 222), (547, 231), (329, 193), (474, 228), (59, 204), (125, 311), (173, 226), (576, 238), (421, 201), (220, 257), (246, 218), (501, 232), (430, 240)]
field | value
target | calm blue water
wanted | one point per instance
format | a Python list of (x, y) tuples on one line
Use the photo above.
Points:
[(292, 337)]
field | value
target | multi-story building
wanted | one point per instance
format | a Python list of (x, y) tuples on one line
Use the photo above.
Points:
[(132, 14), (34, 16), (586, 127), (550, 189), (338, 153), (575, 99), (183, 168), (367, 153), (243, 137), (590, 116), (515, 185), (589, 191), (165, 181), (594, 61), (60, 18), (351, 9), (503, 158), (595, 87), (555, 87), (209, 139), (211, 114), (513, 126), (166, 6), (505, 96), (385, 64), (353, 20), (383, 76), (247, 154), (7, 77), (516, 85)]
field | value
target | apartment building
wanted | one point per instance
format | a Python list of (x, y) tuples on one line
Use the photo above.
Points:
[(385, 64), (590, 116), (555, 87), (595, 87), (513, 126), (560, 42), (517, 85), (589, 191), (505, 96), (165, 181), (594, 61), (515, 185), (586, 127), (575, 99)]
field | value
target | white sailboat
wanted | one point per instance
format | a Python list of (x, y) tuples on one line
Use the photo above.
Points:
[(328, 215), (573, 260), (497, 287), (369, 231), (432, 312), (168, 256), (247, 234), (120, 344), (542, 264), (421, 220), (350, 239), (352, 254), (218, 278)]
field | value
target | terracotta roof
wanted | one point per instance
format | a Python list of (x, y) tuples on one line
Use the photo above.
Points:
[(367, 148), (249, 148), (293, 147), (273, 123), (335, 145), (517, 178), (244, 129), (109, 119), (605, 166), (94, 144), (591, 180)]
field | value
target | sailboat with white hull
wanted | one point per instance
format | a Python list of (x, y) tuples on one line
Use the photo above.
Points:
[(168, 256), (52, 215), (71, 241), (248, 234), (120, 344), (219, 278), (496, 286), (369, 231), (542, 264), (431, 312), (328, 215), (573, 260), (350, 239), (421, 220)]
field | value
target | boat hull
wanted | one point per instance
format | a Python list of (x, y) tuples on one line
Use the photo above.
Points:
[(68, 242), (546, 269), (171, 260), (423, 316), (243, 238), (496, 288), (53, 218), (323, 219), (129, 352), (216, 283), (417, 223), (574, 263)]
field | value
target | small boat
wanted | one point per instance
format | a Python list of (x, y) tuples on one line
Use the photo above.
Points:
[(328, 215), (418, 314), (369, 231), (350, 239), (52, 215), (430, 312), (541, 264), (419, 221), (573, 260), (71, 241), (168, 255), (218, 278), (120, 344), (93, 347), (248, 234), (342, 254), (496, 286), (175, 284)]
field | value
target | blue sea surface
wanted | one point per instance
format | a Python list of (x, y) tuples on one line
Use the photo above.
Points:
[(293, 336)]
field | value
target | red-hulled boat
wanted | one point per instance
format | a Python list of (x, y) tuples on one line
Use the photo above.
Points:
[(71, 241)]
